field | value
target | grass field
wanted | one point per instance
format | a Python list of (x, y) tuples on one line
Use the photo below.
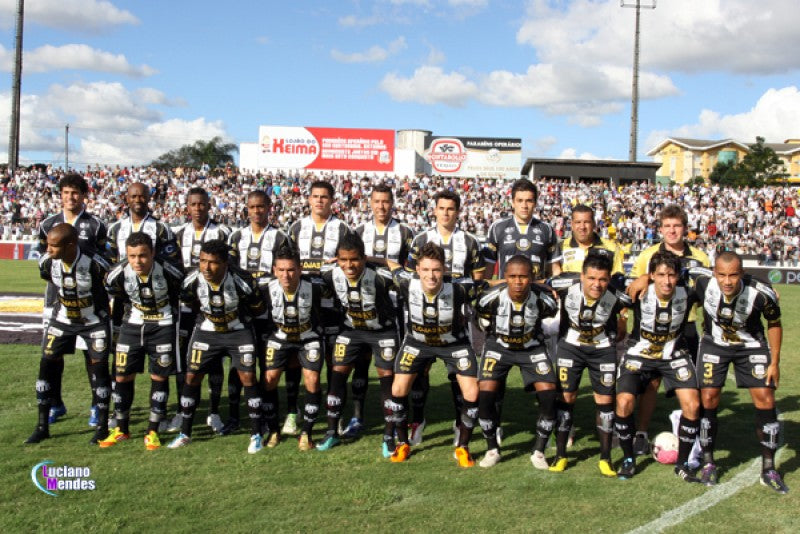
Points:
[(214, 485), (18, 276)]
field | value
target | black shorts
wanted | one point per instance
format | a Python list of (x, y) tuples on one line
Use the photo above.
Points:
[(533, 363), (602, 364), (206, 350), (352, 344), (414, 357), (59, 339), (635, 373), (749, 365), (137, 341), (311, 353)]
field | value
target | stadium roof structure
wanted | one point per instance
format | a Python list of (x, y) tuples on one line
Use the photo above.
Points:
[(577, 170)]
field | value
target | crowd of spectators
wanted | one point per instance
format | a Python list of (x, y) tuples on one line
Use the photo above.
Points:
[(762, 223)]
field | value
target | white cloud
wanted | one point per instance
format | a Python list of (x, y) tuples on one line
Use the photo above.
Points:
[(108, 124), (775, 117), (73, 57), (739, 36), (475, 4), (543, 145), (430, 85), (571, 153), (354, 21), (81, 15), (374, 54)]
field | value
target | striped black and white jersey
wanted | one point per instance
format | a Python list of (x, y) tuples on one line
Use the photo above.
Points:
[(92, 232), (81, 295), (584, 321), (435, 320), (462, 252), (295, 316), (392, 242), (514, 325), (190, 240), (151, 299), (658, 326), (735, 322), (366, 302), (317, 243), (224, 308), (255, 253), (163, 239), (536, 240)]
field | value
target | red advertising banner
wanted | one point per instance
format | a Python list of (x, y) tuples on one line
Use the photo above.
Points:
[(351, 149)]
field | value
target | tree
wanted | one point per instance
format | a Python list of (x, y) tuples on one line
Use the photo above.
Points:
[(213, 153), (759, 167)]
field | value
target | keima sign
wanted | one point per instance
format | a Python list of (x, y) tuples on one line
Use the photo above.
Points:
[(346, 149)]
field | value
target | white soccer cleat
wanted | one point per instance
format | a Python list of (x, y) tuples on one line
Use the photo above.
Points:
[(255, 444), (491, 459), (181, 440), (539, 461), (290, 425), (215, 422), (415, 436), (176, 423)]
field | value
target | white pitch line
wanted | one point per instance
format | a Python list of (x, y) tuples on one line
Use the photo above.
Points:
[(718, 493)]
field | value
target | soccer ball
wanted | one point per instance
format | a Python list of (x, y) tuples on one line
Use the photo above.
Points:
[(665, 448)]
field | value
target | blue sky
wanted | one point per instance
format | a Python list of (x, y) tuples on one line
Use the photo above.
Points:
[(135, 79)]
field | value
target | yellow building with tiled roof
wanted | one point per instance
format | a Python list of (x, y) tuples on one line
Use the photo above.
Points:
[(683, 159)]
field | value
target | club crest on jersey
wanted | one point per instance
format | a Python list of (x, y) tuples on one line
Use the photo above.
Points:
[(354, 296), (99, 344), (727, 313), (542, 368), (607, 379), (317, 242), (448, 255), (196, 249), (430, 311), (523, 244), (387, 354), (165, 360), (683, 373), (380, 245), (587, 314), (464, 364), (517, 320), (253, 253), (312, 355), (663, 317), (247, 359), (147, 292), (69, 282), (216, 300), (291, 311)]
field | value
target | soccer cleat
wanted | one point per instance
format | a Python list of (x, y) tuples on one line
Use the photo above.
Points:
[(559, 465), (708, 475), (641, 443), (401, 453), (56, 412), (627, 469), (38, 435), (415, 436), (152, 441), (605, 468), (273, 440), (181, 440), (464, 458), (539, 461), (215, 422), (113, 438), (175, 424), (99, 435), (255, 444), (772, 479), (163, 425), (386, 450), (456, 433), (353, 428), (329, 442), (304, 442), (290, 425), (490, 459), (685, 473), (93, 419), (230, 427)]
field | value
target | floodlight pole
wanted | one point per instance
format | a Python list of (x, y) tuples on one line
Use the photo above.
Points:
[(66, 148), (635, 85), (13, 131)]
